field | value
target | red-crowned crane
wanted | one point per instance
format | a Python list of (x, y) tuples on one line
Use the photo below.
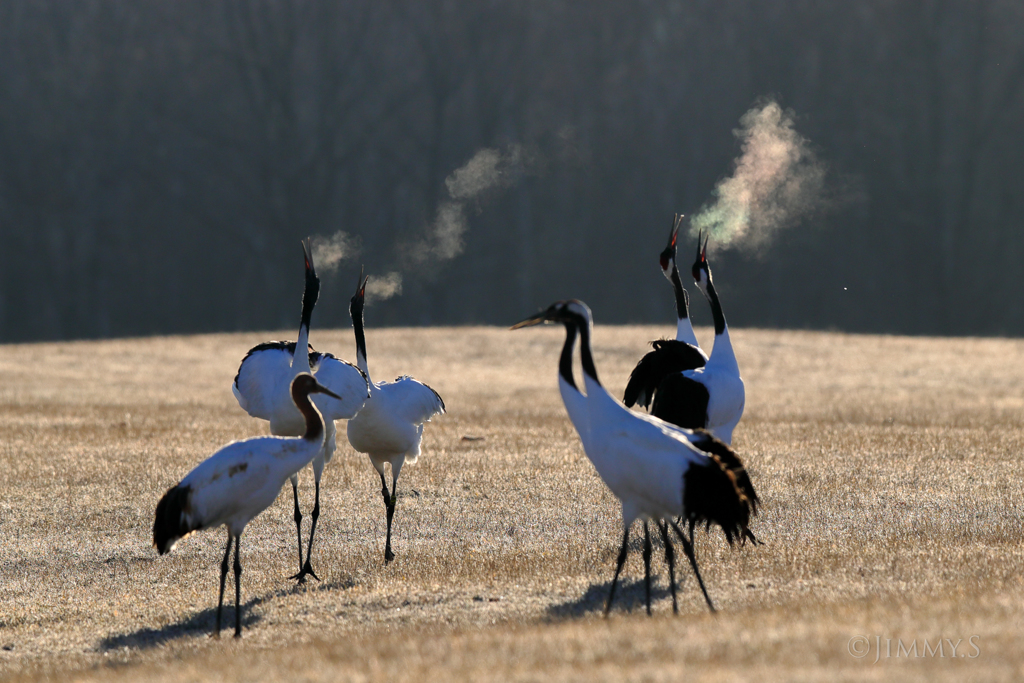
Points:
[(261, 387), (389, 428), (713, 396), (656, 470), (237, 483), (668, 356)]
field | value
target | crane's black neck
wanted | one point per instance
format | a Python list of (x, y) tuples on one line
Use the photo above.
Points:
[(588, 359), (314, 421), (716, 308), (309, 296), (355, 310), (682, 299), (565, 361)]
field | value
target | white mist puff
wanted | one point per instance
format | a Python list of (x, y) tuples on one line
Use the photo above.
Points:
[(328, 252), (380, 287), (445, 239), (489, 169), (778, 180)]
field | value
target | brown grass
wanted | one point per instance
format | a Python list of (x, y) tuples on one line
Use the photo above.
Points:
[(889, 469)]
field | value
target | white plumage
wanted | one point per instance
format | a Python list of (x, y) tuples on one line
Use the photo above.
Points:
[(389, 428), (721, 374), (669, 356), (726, 394), (263, 379), (391, 422), (238, 482), (657, 470), (262, 390), (708, 395)]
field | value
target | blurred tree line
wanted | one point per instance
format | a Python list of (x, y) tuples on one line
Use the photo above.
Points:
[(160, 161)]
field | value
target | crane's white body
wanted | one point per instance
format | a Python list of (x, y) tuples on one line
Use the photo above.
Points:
[(237, 483), (684, 333), (389, 428), (655, 469), (721, 373), (726, 393), (262, 385), (577, 409), (641, 458), (243, 479), (262, 391)]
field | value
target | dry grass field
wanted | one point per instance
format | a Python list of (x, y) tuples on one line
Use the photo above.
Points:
[(890, 470)]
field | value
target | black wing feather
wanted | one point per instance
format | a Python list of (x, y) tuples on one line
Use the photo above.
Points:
[(681, 401), (669, 356)]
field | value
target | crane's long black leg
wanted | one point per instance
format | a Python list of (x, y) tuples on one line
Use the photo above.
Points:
[(647, 566), (688, 549), (386, 495), (618, 568), (670, 559), (384, 490), (223, 576), (388, 555), (298, 523), (238, 589), (307, 568)]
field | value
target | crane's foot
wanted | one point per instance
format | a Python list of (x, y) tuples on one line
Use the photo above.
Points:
[(388, 555), (307, 570)]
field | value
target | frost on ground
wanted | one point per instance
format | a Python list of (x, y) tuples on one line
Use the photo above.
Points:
[(890, 470)]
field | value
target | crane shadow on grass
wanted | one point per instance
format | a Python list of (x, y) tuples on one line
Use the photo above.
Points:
[(629, 597), (198, 624), (203, 622)]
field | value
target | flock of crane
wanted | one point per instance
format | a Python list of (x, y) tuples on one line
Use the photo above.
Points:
[(673, 467)]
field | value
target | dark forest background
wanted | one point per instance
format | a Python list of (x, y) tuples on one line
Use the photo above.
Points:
[(160, 161)]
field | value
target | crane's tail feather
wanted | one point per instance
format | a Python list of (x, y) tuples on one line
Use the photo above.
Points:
[(172, 521), (719, 491), (726, 456)]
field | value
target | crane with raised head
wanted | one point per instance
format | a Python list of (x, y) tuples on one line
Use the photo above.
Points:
[(262, 389), (389, 428)]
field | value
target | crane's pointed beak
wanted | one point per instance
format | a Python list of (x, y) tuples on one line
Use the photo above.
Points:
[(674, 235), (307, 253), (320, 388), (361, 283), (668, 254), (537, 319)]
